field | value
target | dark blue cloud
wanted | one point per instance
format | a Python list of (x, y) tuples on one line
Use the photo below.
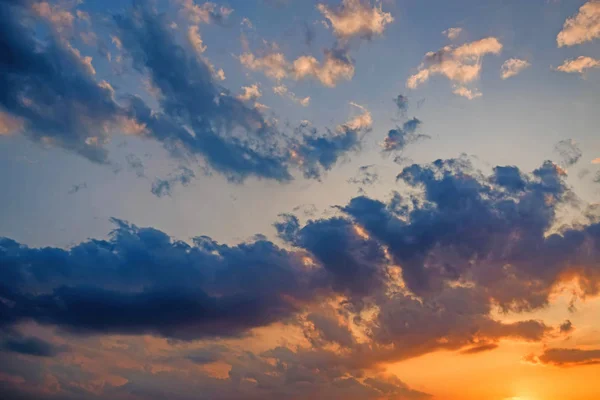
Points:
[(492, 229), (401, 102), (397, 139), (47, 86), (31, 346), (318, 153), (53, 93), (569, 152), (163, 187), (356, 265)]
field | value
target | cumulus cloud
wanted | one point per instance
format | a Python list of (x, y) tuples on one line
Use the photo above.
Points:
[(461, 65), (452, 33), (578, 65), (513, 67), (583, 27), (356, 18), (428, 268)]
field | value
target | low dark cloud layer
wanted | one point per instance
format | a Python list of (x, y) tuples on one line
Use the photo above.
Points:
[(429, 268)]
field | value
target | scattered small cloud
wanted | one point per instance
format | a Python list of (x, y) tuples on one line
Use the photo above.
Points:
[(578, 65), (77, 187), (250, 93), (164, 187), (397, 139), (135, 164), (513, 67), (466, 92), (367, 175), (461, 65), (566, 327), (452, 33), (401, 102), (581, 28), (569, 152), (356, 18)]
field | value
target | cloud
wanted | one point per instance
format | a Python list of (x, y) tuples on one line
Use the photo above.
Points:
[(60, 18), (480, 348), (250, 93), (195, 39), (356, 18), (274, 65), (569, 152), (566, 327), (164, 187), (283, 91), (337, 66), (315, 153), (195, 118), (466, 92), (34, 83), (513, 67), (359, 122), (401, 102), (583, 27), (578, 65), (77, 187), (367, 175), (135, 164), (397, 139), (566, 357), (206, 13), (460, 64), (428, 268), (31, 346), (452, 33)]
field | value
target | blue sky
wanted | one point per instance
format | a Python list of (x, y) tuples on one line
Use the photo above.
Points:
[(214, 119)]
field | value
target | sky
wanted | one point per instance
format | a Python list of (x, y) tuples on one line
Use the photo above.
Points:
[(298, 199)]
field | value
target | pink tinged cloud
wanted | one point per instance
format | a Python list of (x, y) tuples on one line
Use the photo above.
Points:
[(583, 27), (578, 65), (513, 67), (356, 18), (461, 65)]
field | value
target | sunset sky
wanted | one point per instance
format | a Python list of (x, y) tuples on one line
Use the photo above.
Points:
[(300, 199)]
